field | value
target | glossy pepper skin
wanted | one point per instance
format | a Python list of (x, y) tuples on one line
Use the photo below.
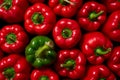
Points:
[(40, 51), (70, 63), (66, 33), (39, 19), (14, 67), (111, 5), (13, 38), (36, 1), (111, 27), (44, 74), (99, 72), (65, 8), (96, 47), (91, 16), (114, 61), (12, 11)]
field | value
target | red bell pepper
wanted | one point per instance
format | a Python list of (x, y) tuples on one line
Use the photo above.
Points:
[(13, 39), (91, 16), (39, 19), (12, 11), (44, 74), (111, 27), (65, 8), (114, 61), (99, 72), (70, 63), (96, 47), (14, 67), (36, 1), (111, 5), (66, 33)]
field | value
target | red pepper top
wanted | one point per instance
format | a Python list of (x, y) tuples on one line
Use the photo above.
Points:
[(39, 19), (96, 47), (13, 38), (114, 61), (91, 16), (66, 33), (12, 11), (44, 74), (65, 8), (70, 63), (14, 67), (99, 72)]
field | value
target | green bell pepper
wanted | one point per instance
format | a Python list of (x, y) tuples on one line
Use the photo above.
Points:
[(40, 51)]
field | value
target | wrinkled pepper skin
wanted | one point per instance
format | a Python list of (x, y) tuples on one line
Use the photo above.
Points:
[(14, 67), (96, 47), (99, 72), (111, 27), (114, 61), (36, 1), (39, 19), (91, 16), (66, 33), (40, 51), (44, 74), (13, 38), (65, 8), (70, 63), (12, 11), (111, 5)]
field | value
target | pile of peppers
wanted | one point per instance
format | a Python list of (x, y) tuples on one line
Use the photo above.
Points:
[(59, 39)]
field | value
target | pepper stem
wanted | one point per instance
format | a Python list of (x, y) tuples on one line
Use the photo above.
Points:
[(6, 4), (100, 51), (43, 78), (66, 33), (46, 46), (66, 1), (69, 64), (102, 79), (37, 18), (11, 38), (9, 73), (94, 15)]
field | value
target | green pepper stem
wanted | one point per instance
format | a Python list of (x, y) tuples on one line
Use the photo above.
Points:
[(43, 78), (102, 79), (9, 73), (11, 38), (6, 4), (68, 64), (46, 46), (37, 18), (66, 33), (100, 51), (94, 15)]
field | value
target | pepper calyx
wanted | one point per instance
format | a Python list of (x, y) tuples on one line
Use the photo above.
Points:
[(6, 4), (100, 51)]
